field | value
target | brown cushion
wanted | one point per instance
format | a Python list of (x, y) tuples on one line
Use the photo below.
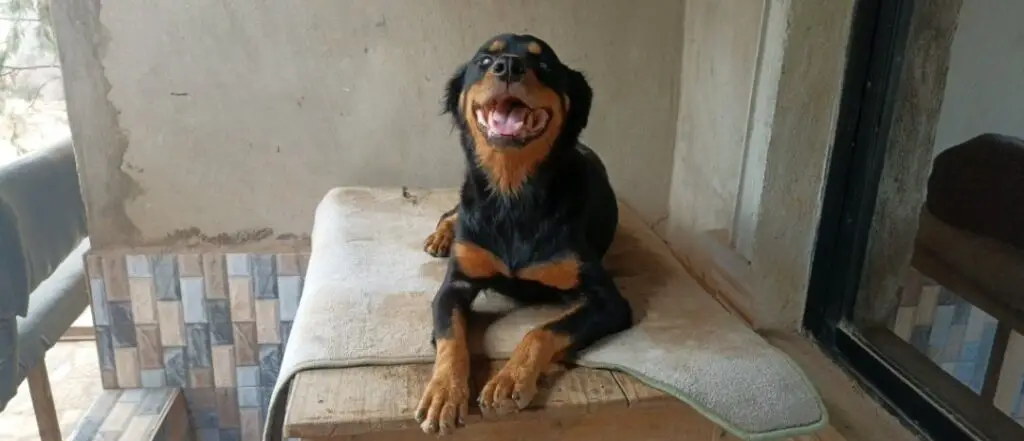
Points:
[(978, 186)]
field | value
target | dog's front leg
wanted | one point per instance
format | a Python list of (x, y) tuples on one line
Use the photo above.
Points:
[(445, 401), (602, 312)]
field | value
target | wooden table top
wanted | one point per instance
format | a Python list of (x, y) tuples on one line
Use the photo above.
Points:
[(350, 401)]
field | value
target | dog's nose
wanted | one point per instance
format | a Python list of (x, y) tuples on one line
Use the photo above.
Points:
[(509, 67)]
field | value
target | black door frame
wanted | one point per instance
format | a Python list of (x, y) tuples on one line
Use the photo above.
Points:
[(874, 62)]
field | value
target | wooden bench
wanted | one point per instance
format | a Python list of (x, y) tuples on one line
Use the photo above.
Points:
[(377, 403)]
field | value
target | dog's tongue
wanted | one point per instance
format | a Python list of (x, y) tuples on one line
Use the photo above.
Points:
[(506, 121)]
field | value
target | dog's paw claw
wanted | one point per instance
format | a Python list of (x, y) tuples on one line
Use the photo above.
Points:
[(444, 405)]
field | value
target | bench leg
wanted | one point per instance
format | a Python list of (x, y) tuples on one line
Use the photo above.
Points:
[(42, 403)]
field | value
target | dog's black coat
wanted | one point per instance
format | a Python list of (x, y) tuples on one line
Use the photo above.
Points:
[(566, 207)]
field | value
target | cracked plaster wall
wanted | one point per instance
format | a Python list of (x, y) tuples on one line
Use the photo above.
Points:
[(224, 123)]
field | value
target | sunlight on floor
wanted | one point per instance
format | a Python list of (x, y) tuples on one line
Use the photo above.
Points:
[(75, 378)]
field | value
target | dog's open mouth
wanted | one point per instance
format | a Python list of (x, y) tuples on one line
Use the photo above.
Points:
[(509, 119)]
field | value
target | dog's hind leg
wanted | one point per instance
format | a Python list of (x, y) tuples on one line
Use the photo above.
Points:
[(439, 243)]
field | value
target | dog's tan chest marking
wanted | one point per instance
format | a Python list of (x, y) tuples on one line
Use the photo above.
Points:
[(561, 274), (478, 263)]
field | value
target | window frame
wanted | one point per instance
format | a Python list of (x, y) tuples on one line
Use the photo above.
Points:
[(875, 57)]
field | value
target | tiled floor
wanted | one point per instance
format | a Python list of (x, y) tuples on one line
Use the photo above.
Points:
[(75, 379)]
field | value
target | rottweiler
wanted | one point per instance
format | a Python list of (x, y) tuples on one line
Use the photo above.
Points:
[(535, 217)]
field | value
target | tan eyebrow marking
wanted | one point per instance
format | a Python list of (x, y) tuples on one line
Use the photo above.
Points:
[(497, 45), (534, 48)]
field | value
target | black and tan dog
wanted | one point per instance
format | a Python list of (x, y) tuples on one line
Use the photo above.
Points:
[(535, 217)]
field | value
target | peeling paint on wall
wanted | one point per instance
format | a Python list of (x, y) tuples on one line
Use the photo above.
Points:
[(100, 142)]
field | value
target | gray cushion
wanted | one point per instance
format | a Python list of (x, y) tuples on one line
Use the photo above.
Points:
[(42, 218)]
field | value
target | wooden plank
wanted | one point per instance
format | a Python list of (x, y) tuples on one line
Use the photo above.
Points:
[(79, 333), (932, 266), (42, 403), (639, 394), (995, 362), (674, 422), (334, 402)]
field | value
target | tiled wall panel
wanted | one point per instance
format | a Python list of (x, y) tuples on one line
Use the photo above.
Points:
[(214, 324)]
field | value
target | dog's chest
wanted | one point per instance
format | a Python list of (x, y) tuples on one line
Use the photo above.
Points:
[(538, 251)]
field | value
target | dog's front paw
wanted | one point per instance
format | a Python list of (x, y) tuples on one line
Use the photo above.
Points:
[(439, 243), (510, 390), (445, 403)]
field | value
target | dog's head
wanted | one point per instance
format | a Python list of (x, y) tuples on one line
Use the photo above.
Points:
[(515, 94)]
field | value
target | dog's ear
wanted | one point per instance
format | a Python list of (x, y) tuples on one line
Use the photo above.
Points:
[(452, 91), (580, 96)]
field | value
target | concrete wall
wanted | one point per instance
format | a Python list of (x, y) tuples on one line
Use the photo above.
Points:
[(760, 89), (985, 85), (720, 57), (225, 122)]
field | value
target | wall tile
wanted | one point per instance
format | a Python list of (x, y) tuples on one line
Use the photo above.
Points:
[(227, 407), (137, 265), (249, 397), (140, 289), (265, 393), (206, 418), (288, 288), (263, 276), (247, 376), (242, 301), (109, 379), (267, 323), (165, 276), (127, 362), (208, 434), (219, 314), (197, 349), (189, 265), (237, 264), (303, 262), (286, 331), (94, 265), (192, 300), (270, 364), (171, 323), (224, 366), (105, 347), (251, 423), (116, 277), (150, 349), (200, 378), (122, 325), (175, 366), (215, 276), (214, 324), (288, 264), (231, 434), (98, 296), (201, 398), (154, 378), (246, 348)]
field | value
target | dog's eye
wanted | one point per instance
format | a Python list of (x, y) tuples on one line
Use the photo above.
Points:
[(484, 61)]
